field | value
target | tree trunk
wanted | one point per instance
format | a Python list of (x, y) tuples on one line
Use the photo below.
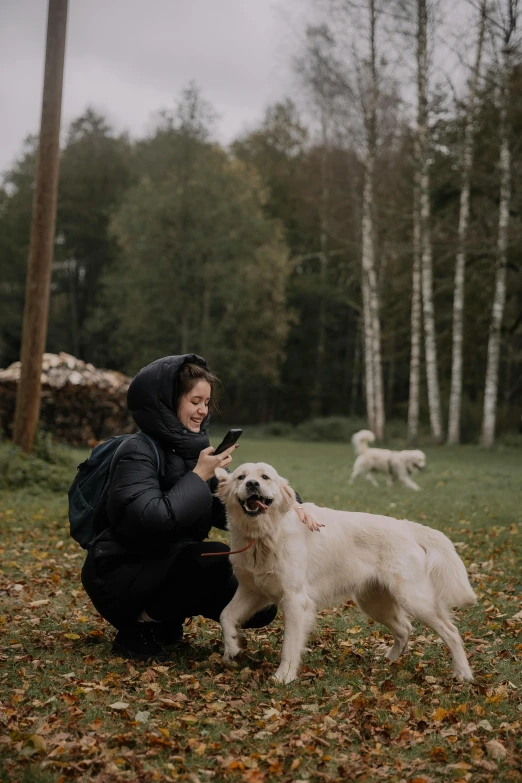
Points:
[(425, 219), (205, 314), (184, 332), (356, 369), (317, 388), (377, 359), (72, 270), (390, 384), (368, 348), (491, 388), (43, 222), (373, 360), (460, 265), (416, 326)]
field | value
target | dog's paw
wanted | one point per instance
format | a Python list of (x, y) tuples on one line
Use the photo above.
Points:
[(463, 674), (392, 654), (284, 676), (231, 653)]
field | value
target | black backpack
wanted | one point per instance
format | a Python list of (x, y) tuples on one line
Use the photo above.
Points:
[(90, 486)]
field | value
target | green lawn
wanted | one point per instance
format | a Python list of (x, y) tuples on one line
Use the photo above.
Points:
[(351, 716)]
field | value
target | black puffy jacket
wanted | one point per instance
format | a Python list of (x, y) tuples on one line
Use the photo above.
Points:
[(151, 517)]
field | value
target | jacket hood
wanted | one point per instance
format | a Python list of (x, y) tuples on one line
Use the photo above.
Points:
[(152, 400)]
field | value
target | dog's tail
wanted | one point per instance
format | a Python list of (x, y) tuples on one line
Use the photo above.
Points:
[(447, 571), (361, 440)]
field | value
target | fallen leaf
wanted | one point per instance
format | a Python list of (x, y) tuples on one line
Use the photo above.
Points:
[(496, 749), (38, 743), (238, 734), (438, 754), (119, 705), (254, 776)]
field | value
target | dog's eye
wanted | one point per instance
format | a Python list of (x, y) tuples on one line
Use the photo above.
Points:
[(240, 478), (265, 478)]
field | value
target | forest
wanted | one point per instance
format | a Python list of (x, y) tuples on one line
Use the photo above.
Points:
[(355, 253)]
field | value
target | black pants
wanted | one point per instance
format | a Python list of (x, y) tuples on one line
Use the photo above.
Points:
[(198, 585)]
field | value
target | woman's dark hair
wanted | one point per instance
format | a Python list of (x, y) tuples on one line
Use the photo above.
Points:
[(190, 375)]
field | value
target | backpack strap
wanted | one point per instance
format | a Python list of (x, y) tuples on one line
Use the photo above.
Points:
[(156, 452), (103, 498)]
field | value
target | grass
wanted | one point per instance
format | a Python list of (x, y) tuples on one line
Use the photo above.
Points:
[(351, 716)]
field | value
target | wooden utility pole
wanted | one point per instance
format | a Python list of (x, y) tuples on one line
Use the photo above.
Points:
[(37, 291)]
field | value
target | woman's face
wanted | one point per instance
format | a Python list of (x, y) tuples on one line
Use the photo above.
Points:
[(193, 406)]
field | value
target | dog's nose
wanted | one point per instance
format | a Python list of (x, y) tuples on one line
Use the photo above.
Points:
[(252, 484)]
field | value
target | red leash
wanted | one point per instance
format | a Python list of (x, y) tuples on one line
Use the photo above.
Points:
[(235, 552)]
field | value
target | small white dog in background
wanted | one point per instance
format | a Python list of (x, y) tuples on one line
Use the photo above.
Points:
[(396, 465), (392, 568)]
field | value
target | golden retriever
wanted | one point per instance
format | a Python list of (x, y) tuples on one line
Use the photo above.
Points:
[(396, 465), (393, 569)]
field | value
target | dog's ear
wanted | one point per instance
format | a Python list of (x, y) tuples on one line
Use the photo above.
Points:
[(224, 480), (288, 493), (222, 475)]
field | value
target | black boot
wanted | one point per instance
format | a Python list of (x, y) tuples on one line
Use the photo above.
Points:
[(262, 618), (139, 643), (169, 634)]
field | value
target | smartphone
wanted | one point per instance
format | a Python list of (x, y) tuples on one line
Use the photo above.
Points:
[(230, 438)]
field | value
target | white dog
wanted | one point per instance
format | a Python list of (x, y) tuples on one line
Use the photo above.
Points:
[(396, 465), (391, 568)]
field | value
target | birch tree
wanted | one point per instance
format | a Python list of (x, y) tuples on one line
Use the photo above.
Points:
[(425, 220), (373, 360), (329, 79), (368, 87), (416, 324), (317, 70), (508, 25), (455, 401)]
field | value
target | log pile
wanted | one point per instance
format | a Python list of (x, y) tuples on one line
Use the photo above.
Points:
[(81, 404)]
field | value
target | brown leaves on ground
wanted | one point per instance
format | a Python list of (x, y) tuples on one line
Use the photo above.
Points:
[(76, 713)]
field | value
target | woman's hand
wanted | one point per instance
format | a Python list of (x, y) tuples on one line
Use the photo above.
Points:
[(307, 519), (207, 462)]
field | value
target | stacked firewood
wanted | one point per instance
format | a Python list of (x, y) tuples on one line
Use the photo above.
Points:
[(81, 404)]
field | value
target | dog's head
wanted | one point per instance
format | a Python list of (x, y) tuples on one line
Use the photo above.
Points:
[(416, 460), (255, 488)]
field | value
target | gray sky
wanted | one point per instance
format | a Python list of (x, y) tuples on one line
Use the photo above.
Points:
[(130, 58)]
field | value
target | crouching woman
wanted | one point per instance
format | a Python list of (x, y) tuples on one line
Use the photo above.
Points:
[(145, 572)]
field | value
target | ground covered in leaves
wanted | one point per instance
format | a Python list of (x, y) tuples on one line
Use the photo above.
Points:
[(70, 711)]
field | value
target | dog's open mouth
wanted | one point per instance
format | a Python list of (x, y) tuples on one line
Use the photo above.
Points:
[(255, 504)]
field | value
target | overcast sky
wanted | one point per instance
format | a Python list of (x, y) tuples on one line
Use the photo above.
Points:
[(130, 58)]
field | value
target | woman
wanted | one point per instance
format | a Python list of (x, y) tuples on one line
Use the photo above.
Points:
[(144, 573)]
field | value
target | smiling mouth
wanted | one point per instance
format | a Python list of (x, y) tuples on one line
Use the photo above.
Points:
[(255, 504)]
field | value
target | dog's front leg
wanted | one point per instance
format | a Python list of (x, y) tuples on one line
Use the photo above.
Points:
[(408, 482), (243, 605), (299, 616)]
